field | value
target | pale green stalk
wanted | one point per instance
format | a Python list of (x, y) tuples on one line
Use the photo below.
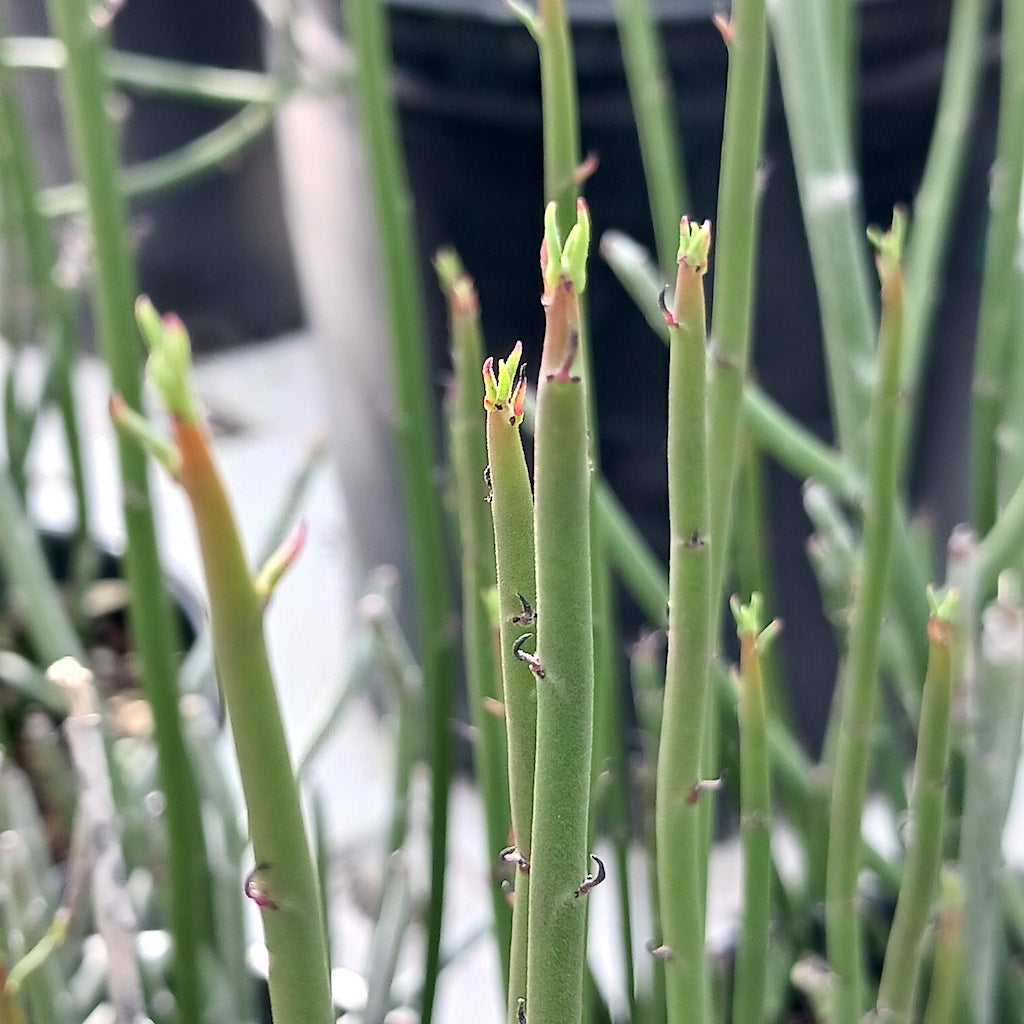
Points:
[(993, 753), (468, 455), (935, 203), (941, 1007), (905, 949), (859, 689), (563, 177), (630, 554), (19, 176), (147, 73), (414, 420), (512, 511), (994, 358), (86, 100), (284, 881), (755, 818), (197, 157), (679, 822), (736, 241), (650, 94), (565, 647), (829, 186)]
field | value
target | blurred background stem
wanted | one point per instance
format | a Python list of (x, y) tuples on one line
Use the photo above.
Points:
[(86, 100)]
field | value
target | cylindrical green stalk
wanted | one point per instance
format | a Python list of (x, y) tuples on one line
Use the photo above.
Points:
[(564, 666), (992, 359), (630, 554), (937, 196), (735, 243), (483, 676), (285, 877), (20, 182), (819, 131), (86, 101), (860, 675), (512, 512), (414, 434), (283, 882), (755, 820), (650, 95), (560, 110), (943, 993), (993, 752), (903, 953), (680, 835)]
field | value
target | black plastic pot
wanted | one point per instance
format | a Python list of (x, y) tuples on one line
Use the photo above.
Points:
[(468, 88)]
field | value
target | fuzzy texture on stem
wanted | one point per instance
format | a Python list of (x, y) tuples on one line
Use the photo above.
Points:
[(468, 454), (86, 102), (903, 953), (678, 822), (512, 514), (859, 689), (284, 882), (565, 652)]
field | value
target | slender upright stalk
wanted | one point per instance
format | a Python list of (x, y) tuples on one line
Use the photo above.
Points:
[(992, 359), (511, 501), (650, 95), (993, 754), (284, 882), (414, 434), (941, 1007), (735, 244), (679, 831), (483, 676), (936, 199), (829, 187), (564, 664), (755, 818), (859, 689), (91, 134), (904, 951)]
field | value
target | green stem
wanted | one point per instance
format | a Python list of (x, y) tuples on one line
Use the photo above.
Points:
[(859, 688), (993, 752), (904, 951), (148, 74), (19, 176), (993, 356), (483, 680), (650, 94), (85, 98), (679, 828), (26, 571), (641, 572), (414, 435), (560, 110), (512, 512), (284, 873), (189, 161), (565, 652), (829, 196), (736, 241), (944, 989), (755, 825), (935, 202)]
